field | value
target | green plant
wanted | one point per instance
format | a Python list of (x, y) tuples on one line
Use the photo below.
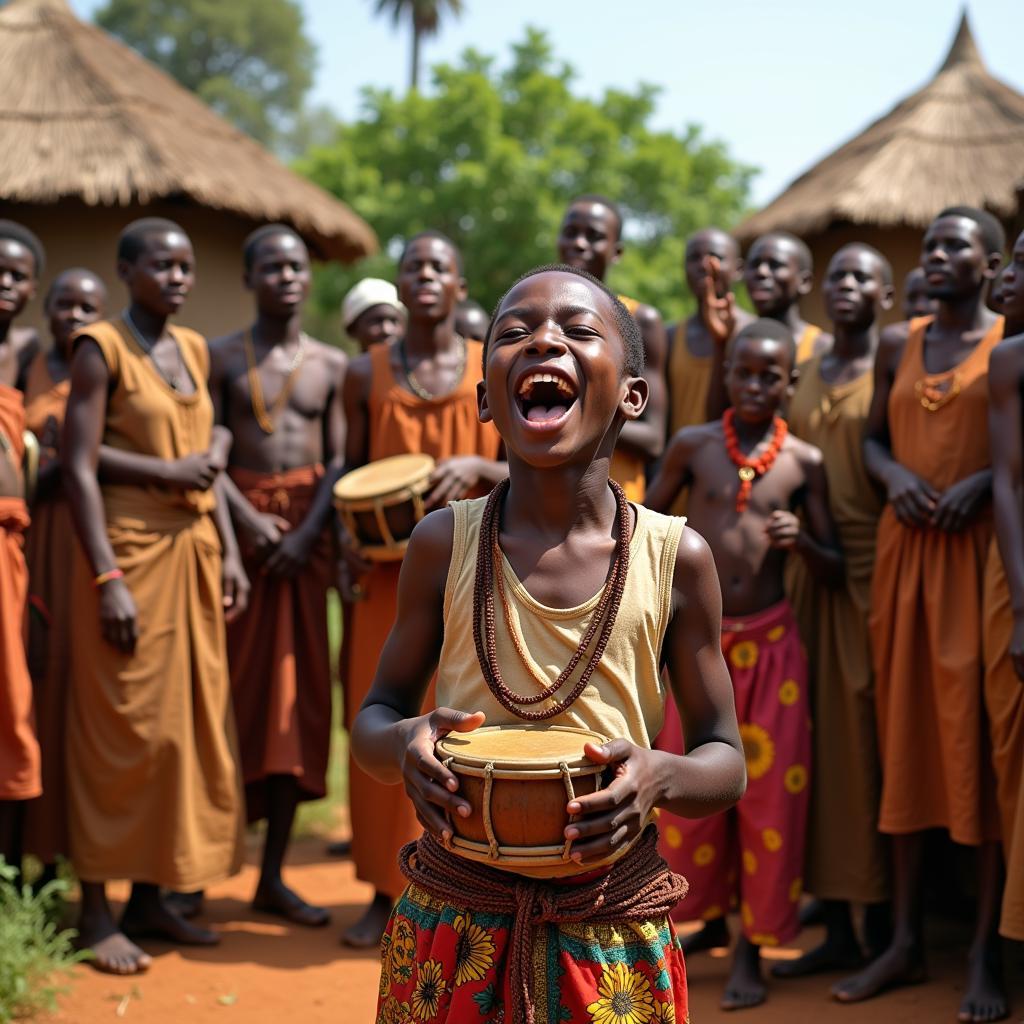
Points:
[(36, 954)]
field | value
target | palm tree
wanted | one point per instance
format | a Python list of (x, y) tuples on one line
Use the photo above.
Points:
[(426, 18)]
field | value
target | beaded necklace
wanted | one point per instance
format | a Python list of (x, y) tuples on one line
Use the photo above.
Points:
[(267, 421), (488, 567), (747, 468)]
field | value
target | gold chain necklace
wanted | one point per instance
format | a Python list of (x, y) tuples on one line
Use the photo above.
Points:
[(267, 421), (415, 386)]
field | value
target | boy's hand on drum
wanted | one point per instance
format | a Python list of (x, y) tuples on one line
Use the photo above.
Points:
[(453, 478), (613, 815), (432, 787)]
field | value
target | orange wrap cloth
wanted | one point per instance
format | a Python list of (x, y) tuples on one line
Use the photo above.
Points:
[(1004, 700), (20, 777), (153, 783), (383, 819), (806, 342), (926, 627), (278, 652), (50, 547), (688, 379), (846, 857)]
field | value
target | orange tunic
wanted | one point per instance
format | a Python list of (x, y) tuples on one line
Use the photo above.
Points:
[(154, 792), (278, 652), (926, 612), (805, 343), (688, 379), (19, 750), (846, 856), (383, 820), (50, 547), (1004, 701)]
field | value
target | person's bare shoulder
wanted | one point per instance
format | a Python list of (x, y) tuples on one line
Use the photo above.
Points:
[(808, 455), (330, 356), (429, 553), (1007, 358), (227, 346), (694, 568), (822, 343), (690, 439)]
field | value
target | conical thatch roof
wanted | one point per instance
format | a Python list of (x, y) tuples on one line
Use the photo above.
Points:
[(960, 139), (82, 115)]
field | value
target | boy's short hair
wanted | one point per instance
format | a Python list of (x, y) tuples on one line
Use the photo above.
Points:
[(132, 242), (765, 328), (599, 200), (72, 271), (632, 339), (993, 235), (15, 232), (441, 237), (883, 262), (256, 238), (804, 259)]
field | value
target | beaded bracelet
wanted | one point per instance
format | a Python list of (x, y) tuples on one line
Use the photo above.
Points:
[(106, 577)]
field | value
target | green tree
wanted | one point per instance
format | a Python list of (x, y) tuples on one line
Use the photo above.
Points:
[(248, 59), (425, 18), (491, 157)]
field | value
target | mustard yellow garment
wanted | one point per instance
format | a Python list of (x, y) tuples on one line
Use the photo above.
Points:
[(626, 695), (846, 857), (153, 784)]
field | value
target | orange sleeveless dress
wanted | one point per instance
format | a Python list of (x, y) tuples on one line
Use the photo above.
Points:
[(383, 819), (50, 547), (20, 777), (154, 792), (925, 623)]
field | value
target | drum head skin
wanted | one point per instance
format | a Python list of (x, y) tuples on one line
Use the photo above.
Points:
[(383, 477), (520, 746)]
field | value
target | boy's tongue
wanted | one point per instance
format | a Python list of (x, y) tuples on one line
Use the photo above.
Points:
[(543, 413)]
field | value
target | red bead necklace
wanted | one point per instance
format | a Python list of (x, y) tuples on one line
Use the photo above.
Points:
[(748, 469)]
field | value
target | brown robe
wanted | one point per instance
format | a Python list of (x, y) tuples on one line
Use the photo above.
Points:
[(846, 857), (689, 377), (1004, 701), (383, 819), (926, 627), (153, 786), (50, 547), (20, 777), (278, 652)]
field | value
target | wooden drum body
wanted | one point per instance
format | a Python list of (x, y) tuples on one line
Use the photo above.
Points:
[(380, 503), (518, 780)]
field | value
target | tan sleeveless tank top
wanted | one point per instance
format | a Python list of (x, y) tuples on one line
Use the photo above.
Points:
[(626, 695)]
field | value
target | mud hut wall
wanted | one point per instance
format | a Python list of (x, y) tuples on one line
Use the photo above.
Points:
[(75, 234)]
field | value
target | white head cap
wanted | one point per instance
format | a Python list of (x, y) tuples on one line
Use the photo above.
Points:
[(371, 291)]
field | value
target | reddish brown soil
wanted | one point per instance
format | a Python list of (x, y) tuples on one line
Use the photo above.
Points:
[(269, 973)]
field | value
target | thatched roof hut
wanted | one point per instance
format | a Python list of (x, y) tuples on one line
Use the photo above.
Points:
[(958, 140), (94, 136)]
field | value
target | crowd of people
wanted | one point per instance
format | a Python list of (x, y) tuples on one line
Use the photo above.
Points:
[(857, 491)]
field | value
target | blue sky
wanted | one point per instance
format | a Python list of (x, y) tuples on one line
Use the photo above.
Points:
[(780, 83)]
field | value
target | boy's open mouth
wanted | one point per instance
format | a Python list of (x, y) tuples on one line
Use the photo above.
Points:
[(545, 398)]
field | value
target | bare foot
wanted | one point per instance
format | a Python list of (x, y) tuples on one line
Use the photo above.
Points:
[(368, 930), (831, 955), (899, 965), (276, 898), (713, 935), (153, 918), (112, 951), (186, 905), (984, 999), (745, 987), (342, 848)]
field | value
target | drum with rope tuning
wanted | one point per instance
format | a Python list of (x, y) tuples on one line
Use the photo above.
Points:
[(518, 780), (380, 503)]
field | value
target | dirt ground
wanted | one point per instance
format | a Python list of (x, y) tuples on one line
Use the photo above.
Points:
[(266, 972)]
